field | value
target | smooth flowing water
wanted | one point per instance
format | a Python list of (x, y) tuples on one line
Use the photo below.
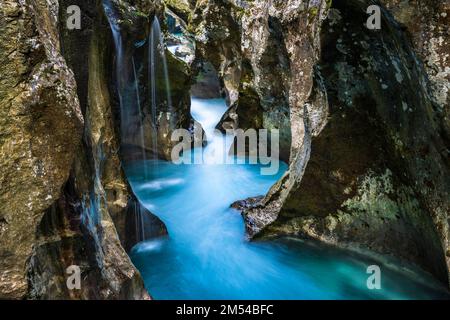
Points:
[(207, 256), (157, 60)]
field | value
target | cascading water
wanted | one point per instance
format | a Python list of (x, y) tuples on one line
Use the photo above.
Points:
[(207, 256), (140, 115), (115, 30), (158, 69), (131, 112), (139, 213), (152, 77)]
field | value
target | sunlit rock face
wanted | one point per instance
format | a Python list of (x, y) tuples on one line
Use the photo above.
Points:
[(41, 127)]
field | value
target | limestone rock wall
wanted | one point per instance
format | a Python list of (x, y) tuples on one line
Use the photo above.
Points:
[(370, 168), (41, 126), (64, 197), (250, 54), (427, 24)]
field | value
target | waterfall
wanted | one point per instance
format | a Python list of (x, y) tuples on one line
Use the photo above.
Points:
[(127, 81), (141, 215), (131, 112), (141, 124), (139, 223), (152, 76), (158, 62), (112, 19)]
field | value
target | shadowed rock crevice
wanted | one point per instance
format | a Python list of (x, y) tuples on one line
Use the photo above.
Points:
[(377, 176), (71, 235)]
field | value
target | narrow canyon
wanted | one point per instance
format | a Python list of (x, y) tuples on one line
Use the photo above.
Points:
[(88, 113)]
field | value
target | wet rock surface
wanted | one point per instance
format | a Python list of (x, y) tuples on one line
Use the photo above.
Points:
[(134, 25), (72, 233), (363, 120), (65, 199), (362, 116), (41, 126)]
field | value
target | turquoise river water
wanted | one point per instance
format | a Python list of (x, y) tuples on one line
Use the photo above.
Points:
[(206, 255)]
